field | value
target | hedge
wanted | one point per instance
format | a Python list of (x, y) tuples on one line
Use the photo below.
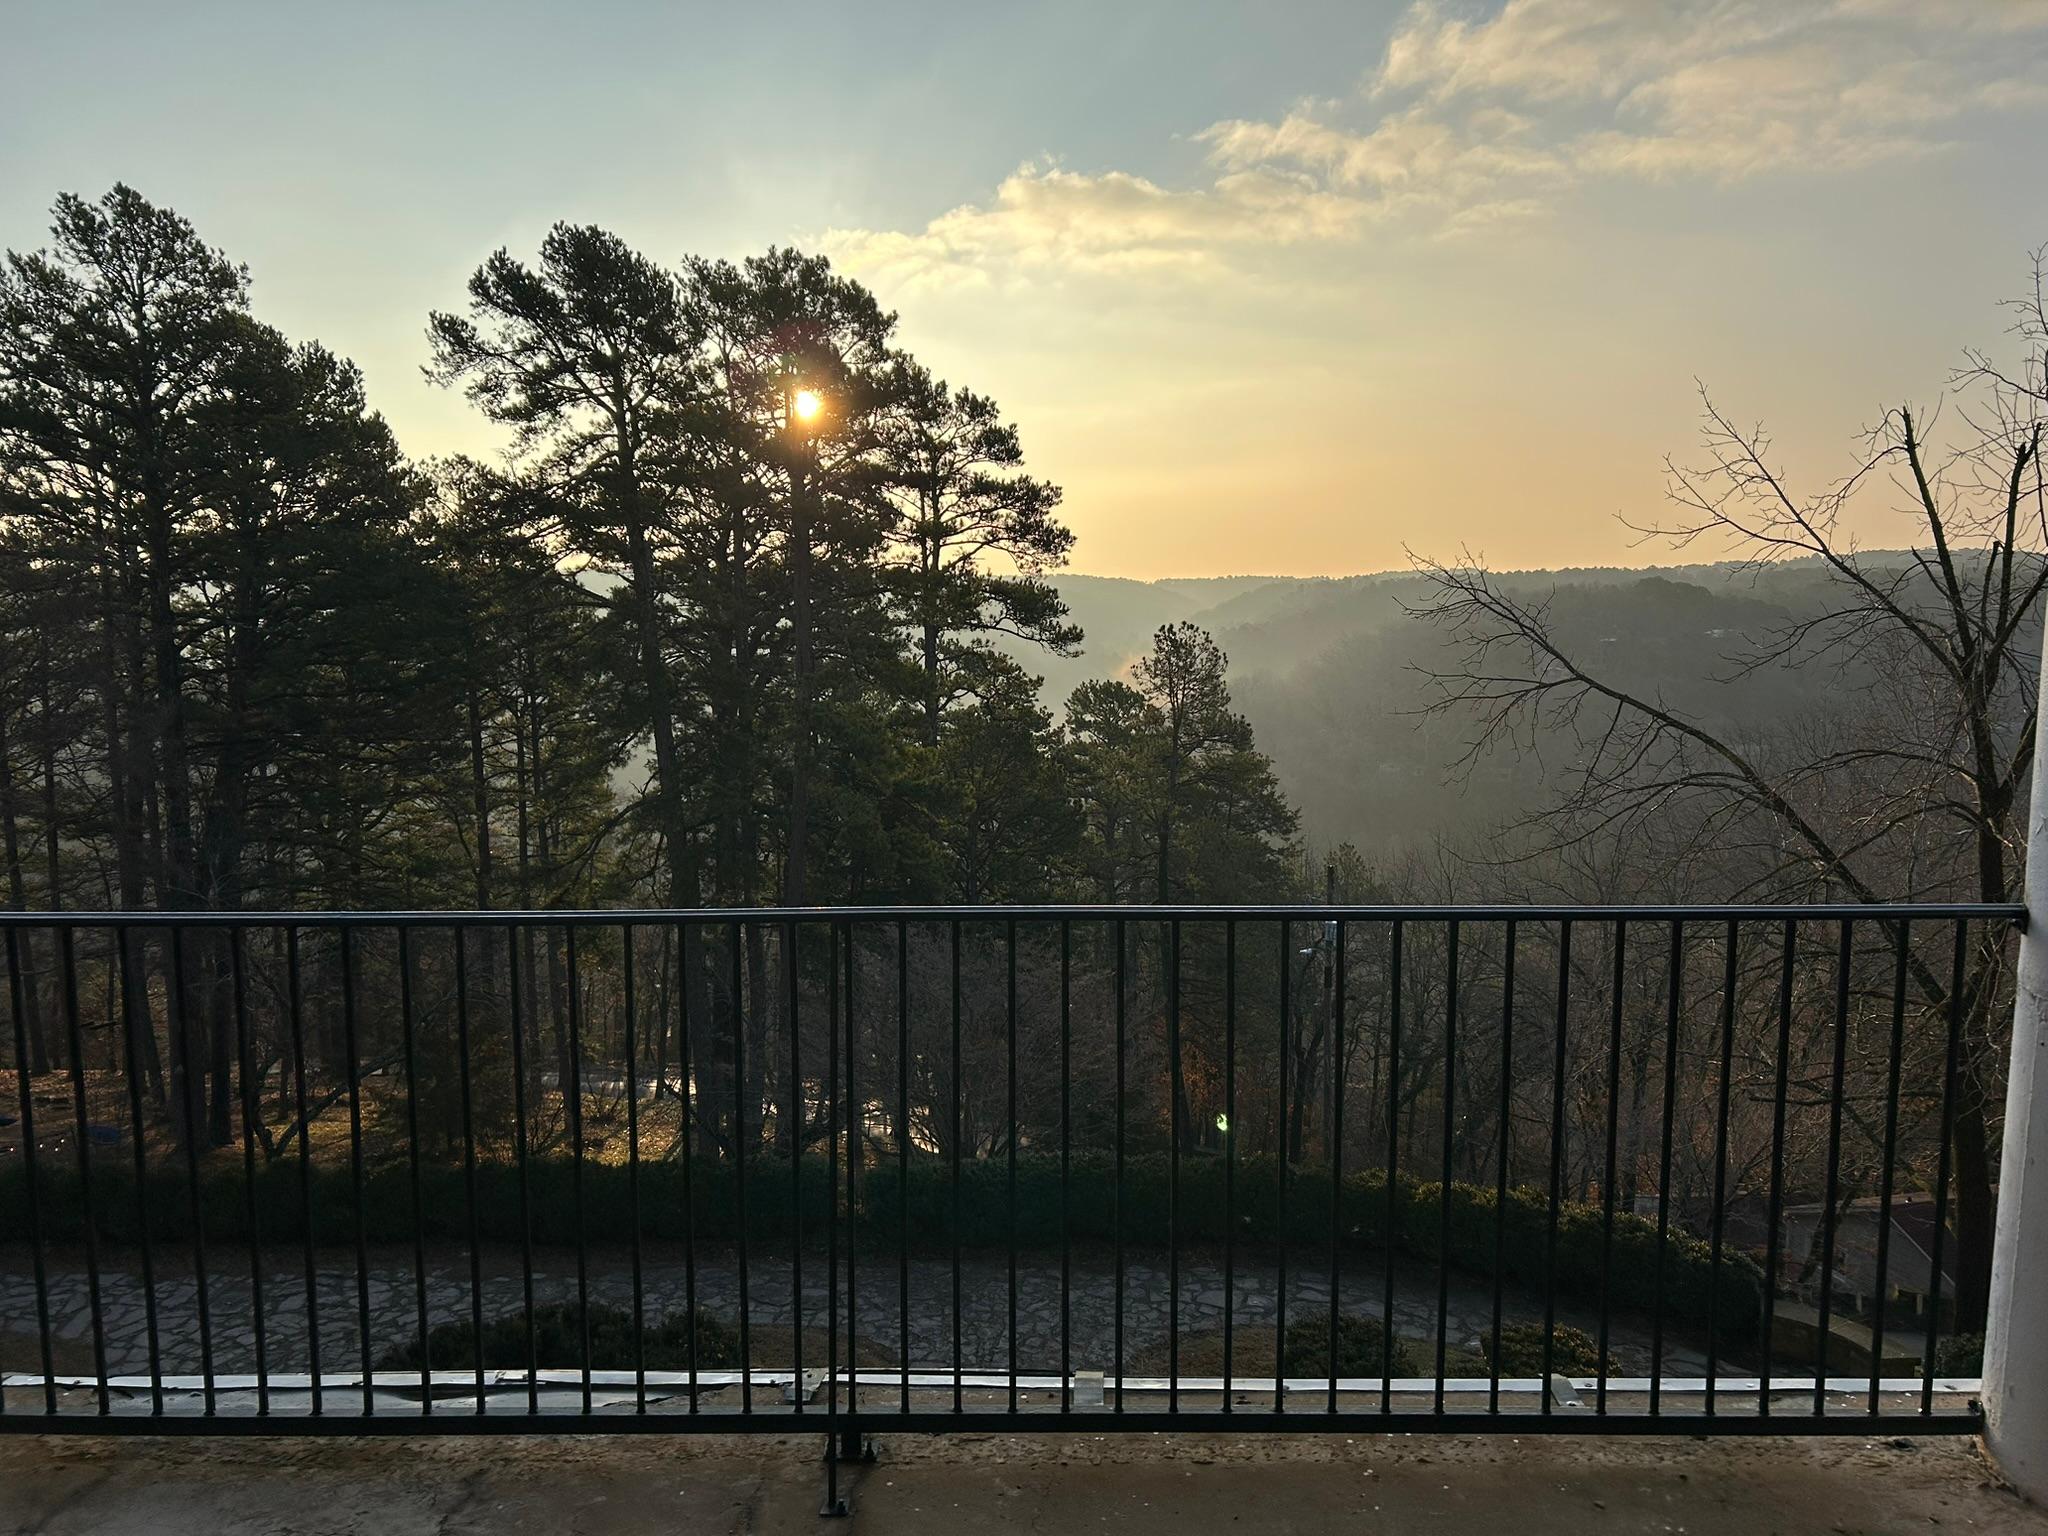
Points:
[(922, 1207), (558, 1334), (1688, 1286), (1361, 1350), (1572, 1351)]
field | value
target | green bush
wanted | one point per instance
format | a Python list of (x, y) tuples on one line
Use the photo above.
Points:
[(558, 1342), (1960, 1354), (1361, 1349), (1573, 1353)]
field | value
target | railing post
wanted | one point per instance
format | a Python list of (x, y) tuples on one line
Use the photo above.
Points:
[(2016, 1331)]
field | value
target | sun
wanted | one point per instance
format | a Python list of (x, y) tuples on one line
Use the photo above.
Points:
[(807, 403)]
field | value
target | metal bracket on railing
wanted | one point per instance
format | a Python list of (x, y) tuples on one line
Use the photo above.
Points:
[(1563, 1393), (805, 1391), (851, 1445), (845, 1444)]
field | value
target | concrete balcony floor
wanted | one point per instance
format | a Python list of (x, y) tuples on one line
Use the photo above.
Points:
[(1140, 1485)]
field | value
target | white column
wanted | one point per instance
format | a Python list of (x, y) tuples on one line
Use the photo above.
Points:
[(2016, 1332)]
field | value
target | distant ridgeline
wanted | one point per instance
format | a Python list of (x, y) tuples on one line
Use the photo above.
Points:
[(1330, 672)]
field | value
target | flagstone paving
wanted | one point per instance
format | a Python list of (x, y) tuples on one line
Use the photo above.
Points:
[(393, 1299)]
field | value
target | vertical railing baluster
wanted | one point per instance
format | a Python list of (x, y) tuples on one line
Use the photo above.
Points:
[(295, 999), (1942, 1160), (832, 1224), (1500, 1190), (1827, 1210), (1731, 948), (192, 1109), (409, 1028), (468, 1113), (1674, 984), (792, 953), (1557, 1150), (23, 1065), (1389, 1240), (1607, 1178), (1175, 1090), (740, 1095), (1229, 1151), (1443, 1219), (1067, 1166), (1774, 1236), (630, 1001), (1284, 1120), (573, 1091), (345, 936), (856, 1154), (515, 947), (134, 1020), (903, 1161), (959, 1403), (685, 1135), (1117, 1205), (1010, 1172), (67, 960), (245, 1067), (1337, 1176), (31, 1173), (1901, 942)]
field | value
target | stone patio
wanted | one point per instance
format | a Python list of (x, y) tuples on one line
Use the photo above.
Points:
[(984, 1311)]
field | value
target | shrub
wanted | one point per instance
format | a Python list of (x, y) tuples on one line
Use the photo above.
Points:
[(1574, 1353), (1361, 1349), (1960, 1354), (1630, 1270), (558, 1342)]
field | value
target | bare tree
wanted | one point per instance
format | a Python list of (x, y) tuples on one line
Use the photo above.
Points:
[(1915, 788)]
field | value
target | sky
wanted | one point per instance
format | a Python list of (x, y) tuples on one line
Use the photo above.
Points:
[(1292, 288)]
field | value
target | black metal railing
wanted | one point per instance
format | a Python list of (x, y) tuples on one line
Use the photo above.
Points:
[(1615, 1169)]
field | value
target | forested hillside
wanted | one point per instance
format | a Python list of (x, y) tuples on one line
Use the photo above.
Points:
[(1333, 675)]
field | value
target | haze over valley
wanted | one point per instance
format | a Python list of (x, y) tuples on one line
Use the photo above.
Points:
[(1333, 673)]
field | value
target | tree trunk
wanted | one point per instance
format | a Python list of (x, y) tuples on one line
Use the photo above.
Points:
[(223, 838), (1975, 1208), (17, 897), (480, 796), (796, 878), (646, 598), (53, 897), (123, 804)]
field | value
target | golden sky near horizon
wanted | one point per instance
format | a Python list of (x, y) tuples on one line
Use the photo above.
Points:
[(1288, 289)]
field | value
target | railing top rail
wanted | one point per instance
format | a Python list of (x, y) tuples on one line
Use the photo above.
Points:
[(2013, 912)]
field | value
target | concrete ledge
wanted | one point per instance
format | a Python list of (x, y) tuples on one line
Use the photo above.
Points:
[(1143, 1486)]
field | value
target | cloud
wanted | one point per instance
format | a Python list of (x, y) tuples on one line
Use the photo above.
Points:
[(1465, 122), (1563, 91), (1545, 50), (1044, 218)]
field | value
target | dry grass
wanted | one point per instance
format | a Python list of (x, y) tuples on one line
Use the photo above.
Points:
[(328, 1135)]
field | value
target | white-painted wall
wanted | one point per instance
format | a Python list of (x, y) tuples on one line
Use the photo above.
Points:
[(2016, 1334)]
